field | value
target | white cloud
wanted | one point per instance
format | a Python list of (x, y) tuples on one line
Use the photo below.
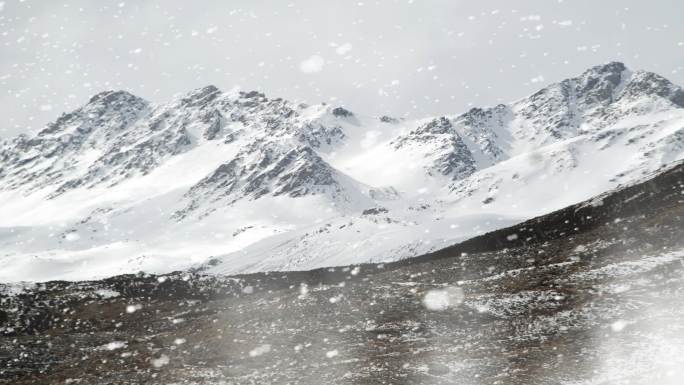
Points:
[(313, 64)]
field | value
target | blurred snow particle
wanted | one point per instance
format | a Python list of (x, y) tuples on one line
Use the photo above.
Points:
[(179, 341), (303, 290), (355, 270), (133, 308), (312, 64), (530, 18), (107, 293), (113, 345), (212, 29), (2, 5), (161, 361), (46, 107), (537, 79), (259, 350), (565, 23), (618, 326), (442, 299), (332, 353), (248, 289), (343, 49), (512, 237)]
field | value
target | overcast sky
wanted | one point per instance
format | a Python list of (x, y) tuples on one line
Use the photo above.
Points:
[(409, 58)]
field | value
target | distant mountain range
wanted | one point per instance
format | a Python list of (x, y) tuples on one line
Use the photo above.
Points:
[(237, 182)]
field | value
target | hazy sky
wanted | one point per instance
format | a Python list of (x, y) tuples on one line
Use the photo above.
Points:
[(399, 57)]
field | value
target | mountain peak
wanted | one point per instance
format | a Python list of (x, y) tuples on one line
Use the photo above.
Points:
[(201, 96), (613, 67), (110, 97), (612, 81), (114, 109)]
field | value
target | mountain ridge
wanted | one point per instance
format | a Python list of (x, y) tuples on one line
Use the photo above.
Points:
[(260, 184)]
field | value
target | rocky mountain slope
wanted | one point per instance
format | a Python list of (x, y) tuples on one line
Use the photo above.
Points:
[(590, 294), (235, 182)]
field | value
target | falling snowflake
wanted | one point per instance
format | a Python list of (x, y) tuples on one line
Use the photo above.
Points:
[(259, 350), (133, 308), (161, 361), (313, 64), (618, 326), (442, 299), (113, 345), (343, 49)]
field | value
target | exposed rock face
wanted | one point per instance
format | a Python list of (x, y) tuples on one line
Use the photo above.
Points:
[(341, 112), (117, 136), (595, 99), (440, 141), (590, 102), (266, 168)]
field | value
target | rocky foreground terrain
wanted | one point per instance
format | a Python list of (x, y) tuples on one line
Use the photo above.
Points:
[(591, 294)]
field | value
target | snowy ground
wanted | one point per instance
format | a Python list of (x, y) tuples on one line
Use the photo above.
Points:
[(591, 294)]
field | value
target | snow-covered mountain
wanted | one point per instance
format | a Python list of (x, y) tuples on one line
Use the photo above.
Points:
[(236, 182)]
